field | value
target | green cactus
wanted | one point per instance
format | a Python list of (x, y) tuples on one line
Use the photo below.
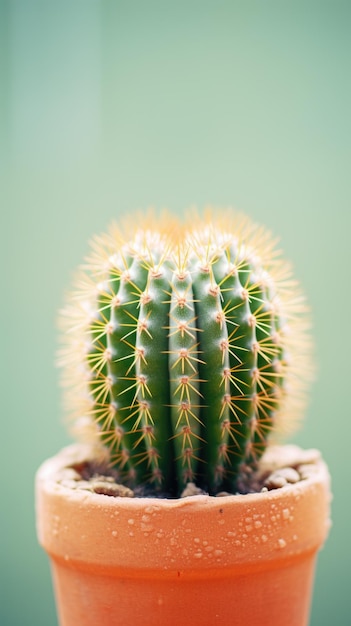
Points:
[(187, 346)]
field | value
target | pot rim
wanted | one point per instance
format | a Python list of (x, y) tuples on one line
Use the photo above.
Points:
[(196, 532)]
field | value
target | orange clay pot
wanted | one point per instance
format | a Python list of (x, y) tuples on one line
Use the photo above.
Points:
[(200, 560)]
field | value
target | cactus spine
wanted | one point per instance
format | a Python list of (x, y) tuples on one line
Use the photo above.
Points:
[(188, 347)]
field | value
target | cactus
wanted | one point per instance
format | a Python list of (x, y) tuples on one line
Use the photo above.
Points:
[(187, 348)]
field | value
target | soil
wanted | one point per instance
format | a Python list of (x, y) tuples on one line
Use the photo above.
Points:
[(279, 467)]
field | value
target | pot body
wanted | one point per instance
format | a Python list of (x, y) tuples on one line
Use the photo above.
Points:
[(230, 560)]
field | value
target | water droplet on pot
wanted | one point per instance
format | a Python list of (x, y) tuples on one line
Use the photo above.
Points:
[(147, 528), (198, 555), (152, 509), (286, 513)]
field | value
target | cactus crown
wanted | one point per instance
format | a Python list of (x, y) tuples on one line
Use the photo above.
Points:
[(186, 347)]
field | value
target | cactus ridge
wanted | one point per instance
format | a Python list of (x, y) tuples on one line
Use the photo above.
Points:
[(182, 345)]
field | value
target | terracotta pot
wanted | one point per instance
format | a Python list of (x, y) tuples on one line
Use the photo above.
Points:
[(200, 560)]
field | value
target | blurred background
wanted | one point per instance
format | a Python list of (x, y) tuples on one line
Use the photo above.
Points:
[(109, 106)]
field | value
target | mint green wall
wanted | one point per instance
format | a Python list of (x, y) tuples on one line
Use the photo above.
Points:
[(108, 106)]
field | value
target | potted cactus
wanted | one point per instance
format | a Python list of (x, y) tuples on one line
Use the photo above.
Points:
[(186, 351)]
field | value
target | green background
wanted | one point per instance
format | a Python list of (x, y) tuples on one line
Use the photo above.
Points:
[(110, 106)]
